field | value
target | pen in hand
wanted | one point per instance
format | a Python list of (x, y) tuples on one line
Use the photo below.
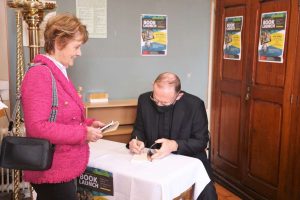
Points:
[(137, 143)]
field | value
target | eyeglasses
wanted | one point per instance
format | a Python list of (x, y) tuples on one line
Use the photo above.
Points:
[(159, 103), (152, 149)]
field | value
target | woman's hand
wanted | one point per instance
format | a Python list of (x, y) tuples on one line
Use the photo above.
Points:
[(93, 134), (97, 124)]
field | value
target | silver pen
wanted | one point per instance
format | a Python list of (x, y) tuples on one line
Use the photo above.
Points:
[(136, 138)]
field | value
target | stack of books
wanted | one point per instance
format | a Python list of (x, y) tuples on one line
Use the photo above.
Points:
[(98, 97)]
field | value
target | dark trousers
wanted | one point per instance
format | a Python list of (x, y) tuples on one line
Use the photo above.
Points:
[(209, 192), (56, 191)]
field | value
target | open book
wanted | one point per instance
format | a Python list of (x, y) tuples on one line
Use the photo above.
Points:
[(112, 126)]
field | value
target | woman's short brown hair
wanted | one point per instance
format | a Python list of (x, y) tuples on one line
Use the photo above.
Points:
[(62, 28)]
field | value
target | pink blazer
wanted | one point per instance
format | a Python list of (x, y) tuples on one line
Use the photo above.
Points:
[(68, 133)]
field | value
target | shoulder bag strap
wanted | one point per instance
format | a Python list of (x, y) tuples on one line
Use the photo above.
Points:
[(54, 105)]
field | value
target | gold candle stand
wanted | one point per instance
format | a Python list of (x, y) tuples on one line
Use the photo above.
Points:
[(32, 12)]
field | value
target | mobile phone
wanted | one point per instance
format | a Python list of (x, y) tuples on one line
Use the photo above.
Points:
[(107, 126)]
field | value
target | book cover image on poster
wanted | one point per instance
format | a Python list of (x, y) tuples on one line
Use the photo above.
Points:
[(154, 35), (272, 37), (95, 184), (232, 38)]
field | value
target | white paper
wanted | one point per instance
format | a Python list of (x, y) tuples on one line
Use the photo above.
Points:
[(93, 14), (2, 105), (4, 90), (142, 157)]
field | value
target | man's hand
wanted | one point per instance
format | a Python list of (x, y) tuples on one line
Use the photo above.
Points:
[(136, 146), (167, 147)]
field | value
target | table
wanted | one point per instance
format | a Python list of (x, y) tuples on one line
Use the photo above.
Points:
[(162, 179)]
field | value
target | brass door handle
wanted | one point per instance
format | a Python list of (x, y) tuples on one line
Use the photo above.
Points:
[(247, 97)]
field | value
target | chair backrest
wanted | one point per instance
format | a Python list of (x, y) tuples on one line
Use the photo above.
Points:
[(208, 149)]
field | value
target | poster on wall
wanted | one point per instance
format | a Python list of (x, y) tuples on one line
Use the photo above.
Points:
[(232, 38), (272, 37), (154, 37)]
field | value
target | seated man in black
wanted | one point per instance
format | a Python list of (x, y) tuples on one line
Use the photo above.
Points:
[(174, 119)]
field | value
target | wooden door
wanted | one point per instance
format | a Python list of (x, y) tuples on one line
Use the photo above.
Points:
[(251, 103), (290, 184), (266, 129), (228, 109)]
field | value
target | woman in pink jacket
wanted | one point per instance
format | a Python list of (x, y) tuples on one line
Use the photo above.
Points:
[(71, 131)]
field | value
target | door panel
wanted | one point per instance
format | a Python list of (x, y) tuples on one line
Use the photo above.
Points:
[(290, 178), (227, 149), (268, 73), (264, 135), (264, 143), (229, 140), (232, 69)]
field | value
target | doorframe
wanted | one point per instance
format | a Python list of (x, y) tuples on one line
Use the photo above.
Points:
[(210, 59)]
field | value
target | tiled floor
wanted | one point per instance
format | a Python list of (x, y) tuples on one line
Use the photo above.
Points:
[(224, 194)]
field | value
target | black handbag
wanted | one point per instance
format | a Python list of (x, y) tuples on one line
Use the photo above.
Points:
[(26, 153)]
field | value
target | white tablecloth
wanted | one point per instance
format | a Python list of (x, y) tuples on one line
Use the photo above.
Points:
[(162, 179)]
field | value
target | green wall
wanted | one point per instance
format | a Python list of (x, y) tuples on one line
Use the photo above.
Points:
[(115, 65)]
